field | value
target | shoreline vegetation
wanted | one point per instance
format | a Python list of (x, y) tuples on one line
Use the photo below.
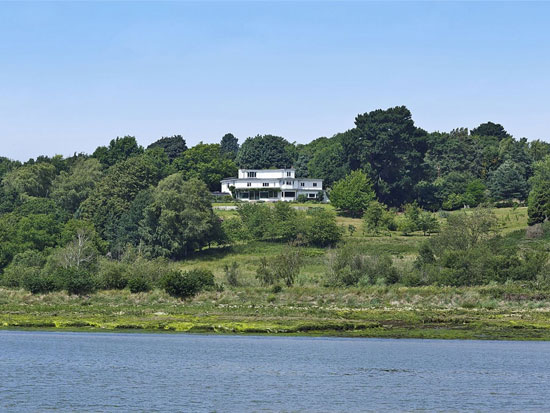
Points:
[(493, 312)]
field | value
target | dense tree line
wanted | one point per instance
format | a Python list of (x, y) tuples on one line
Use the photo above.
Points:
[(60, 214)]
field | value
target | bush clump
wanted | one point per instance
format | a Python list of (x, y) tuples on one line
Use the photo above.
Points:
[(112, 275), (349, 265), (470, 251), (37, 282), (75, 280), (232, 274), (25, 265), (284, 267), (187, 284), (139, 284)]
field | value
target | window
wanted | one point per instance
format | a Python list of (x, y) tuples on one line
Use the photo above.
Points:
[(314, 183), (251, 174), (265, 184), (243, 195), (249, 184), (264, 194), (288, 182), (289, 174), (302, 184), (290, 194), (311, 195)]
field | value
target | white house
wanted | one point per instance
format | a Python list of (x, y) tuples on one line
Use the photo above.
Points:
[(271, 185)]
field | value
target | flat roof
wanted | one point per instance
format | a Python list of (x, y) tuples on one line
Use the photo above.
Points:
[(265, 179), (272, 169)]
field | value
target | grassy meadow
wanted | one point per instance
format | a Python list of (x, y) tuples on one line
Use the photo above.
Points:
[(494, 311)]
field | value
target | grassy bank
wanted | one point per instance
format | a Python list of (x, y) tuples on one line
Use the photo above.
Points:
[(496, 311), (490, 312)]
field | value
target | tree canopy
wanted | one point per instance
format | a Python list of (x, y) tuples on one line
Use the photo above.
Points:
[(208, 163), (491, 129), (173, 146), (229, 145), (353, 194), (180, 218), (119, 149), (264, 152), (393, 146), (539, 197)]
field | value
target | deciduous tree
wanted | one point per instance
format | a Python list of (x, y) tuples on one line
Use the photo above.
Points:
[(264, 152), (353, 193), (173, 146), (180, 218)]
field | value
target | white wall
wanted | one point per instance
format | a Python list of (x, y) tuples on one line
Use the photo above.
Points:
[(267, 173), (275, 183)]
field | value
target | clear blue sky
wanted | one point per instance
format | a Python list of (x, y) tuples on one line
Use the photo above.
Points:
[(75, 75)]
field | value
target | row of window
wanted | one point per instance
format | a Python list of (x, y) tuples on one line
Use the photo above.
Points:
[(253, 174), (287, 182), (258, 195), (269, 194)]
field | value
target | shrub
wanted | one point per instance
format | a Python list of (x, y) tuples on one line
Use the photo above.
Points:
[(287, 265), (413, 217), (24, 264), (406, 226), (232, 274), (264, 273), (344, 266), (372, 218), (112, 275), (453, 202), (187, 284), (257, 220), (321, 228), (234, 230), (38, 282), (138, 284), (427, 223), (412, 279), (178, 285), (348, 265), (425, 255), (285, 221), (469, 252), (151, 270), (379, 267), (377, 218), (75, 280), (465, 231), (205, 278), (284, 267)]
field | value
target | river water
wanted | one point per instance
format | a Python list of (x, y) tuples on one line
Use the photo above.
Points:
[(95, 372)]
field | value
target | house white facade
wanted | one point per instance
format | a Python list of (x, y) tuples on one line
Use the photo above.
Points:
[(271, 185)]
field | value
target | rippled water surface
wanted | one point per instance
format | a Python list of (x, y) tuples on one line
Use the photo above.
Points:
[(44, 371)]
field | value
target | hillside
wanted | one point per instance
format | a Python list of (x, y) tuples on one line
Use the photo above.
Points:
[(512, 311)]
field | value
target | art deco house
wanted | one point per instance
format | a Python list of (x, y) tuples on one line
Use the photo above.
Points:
[(271, 185)]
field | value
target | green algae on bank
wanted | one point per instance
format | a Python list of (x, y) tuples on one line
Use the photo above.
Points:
[(490, 312)]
